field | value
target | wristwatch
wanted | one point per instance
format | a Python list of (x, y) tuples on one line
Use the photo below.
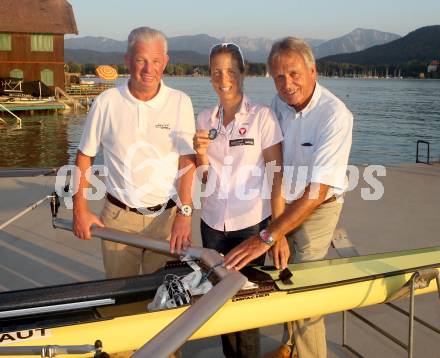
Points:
[(185, 210), (266, 237)]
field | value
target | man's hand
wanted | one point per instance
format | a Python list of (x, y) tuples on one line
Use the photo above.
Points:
[(244, 253), (82, 221), (280, 253), (180, 234)]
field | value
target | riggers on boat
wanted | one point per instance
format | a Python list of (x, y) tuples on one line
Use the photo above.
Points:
[(113, 313)]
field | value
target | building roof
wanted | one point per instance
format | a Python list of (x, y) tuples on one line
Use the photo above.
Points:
[(37, 16)]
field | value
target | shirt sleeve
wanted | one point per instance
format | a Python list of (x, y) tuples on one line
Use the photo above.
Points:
[(187, 127), (91, 136), (330, 157), (270, 129)]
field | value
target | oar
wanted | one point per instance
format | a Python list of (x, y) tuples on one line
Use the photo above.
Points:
[(173, 336), (28, 209)]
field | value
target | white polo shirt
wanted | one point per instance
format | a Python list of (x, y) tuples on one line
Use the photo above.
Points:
[(141, 141), (317, 142), (236, 180)]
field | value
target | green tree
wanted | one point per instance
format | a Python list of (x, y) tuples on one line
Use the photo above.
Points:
[(179, 70), (88, 69), (122, 69), (73, 67)]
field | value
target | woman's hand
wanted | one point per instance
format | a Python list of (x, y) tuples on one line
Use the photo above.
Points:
[(201, 142)]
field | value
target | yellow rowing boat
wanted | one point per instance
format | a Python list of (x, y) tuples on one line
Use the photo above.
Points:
[(122, 323)]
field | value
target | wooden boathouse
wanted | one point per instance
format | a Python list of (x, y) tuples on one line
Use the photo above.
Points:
[(32, 39)]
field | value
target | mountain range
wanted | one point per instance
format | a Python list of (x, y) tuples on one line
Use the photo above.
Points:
[(421, 45), (193, 49), (357, 40)]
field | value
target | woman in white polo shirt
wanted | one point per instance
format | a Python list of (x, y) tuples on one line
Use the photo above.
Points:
[(234, 141)]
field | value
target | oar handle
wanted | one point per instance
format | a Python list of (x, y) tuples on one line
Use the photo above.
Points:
[(211, 258)]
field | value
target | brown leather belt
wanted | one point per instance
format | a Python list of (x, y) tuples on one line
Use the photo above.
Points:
[(155, 208), (330, 200)]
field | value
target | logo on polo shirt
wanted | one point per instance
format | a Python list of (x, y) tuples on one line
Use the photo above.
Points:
[(162, 126), (242, 131)]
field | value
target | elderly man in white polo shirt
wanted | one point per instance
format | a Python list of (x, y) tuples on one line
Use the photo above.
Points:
[(317, 129), (145, 130)]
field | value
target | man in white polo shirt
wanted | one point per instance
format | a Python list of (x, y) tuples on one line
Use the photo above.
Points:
[(317, 129), (145, 130)]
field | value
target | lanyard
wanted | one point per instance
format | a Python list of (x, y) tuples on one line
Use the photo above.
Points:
[(213, 132)]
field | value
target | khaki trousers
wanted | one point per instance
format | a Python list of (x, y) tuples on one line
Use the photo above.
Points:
[(122, 260), (311, 242)]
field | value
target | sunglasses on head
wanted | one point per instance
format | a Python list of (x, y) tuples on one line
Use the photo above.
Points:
[(227, 45)]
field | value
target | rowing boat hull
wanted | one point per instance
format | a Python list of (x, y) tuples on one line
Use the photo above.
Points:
[(382, 277)]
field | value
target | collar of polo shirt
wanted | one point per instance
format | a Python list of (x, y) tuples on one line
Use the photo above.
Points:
[(313, 101), (156, 102), (245, 107)]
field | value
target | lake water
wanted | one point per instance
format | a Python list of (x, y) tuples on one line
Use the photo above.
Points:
[(390, 115)]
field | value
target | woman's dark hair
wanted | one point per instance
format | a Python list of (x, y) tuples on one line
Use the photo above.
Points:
[(231, 48)]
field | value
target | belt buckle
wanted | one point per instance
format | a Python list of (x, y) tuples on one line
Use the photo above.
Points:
[(148, 210), (331, 199)]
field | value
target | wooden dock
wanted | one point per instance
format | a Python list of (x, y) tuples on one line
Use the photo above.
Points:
[(78, 96), (87, 90), (32, 106)]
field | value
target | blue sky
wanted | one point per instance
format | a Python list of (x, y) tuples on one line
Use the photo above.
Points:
[(257, 18)]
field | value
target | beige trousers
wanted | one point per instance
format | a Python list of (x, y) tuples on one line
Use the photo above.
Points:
[(311, 242), (122, 260)]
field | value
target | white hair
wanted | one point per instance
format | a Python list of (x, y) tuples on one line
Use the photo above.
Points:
[(292, 44), (146, 34)]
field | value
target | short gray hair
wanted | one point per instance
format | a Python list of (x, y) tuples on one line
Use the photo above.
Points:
[(292, 44), (146, 34)]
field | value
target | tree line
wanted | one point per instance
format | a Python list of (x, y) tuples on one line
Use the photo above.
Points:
[(179, 69), (412, 69)]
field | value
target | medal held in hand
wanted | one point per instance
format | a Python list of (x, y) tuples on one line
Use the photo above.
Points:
[(212, 134)]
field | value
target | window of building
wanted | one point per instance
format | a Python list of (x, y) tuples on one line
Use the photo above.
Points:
[(47, 77), (42, 43), (16, 73), (5, 42)]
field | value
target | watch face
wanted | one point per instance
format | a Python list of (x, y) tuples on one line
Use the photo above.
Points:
[(266, 237), (212, 134), (186, 210)]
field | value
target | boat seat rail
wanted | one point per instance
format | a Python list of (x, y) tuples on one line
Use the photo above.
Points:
[(419, 280), (53, 351)]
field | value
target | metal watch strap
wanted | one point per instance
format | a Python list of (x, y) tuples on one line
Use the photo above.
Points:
[(266, 237)]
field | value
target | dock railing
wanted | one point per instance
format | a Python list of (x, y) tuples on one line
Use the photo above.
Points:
[(428, 150), (18, 119), (60, 93)]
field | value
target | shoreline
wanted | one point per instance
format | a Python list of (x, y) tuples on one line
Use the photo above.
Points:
[(90, 76)]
